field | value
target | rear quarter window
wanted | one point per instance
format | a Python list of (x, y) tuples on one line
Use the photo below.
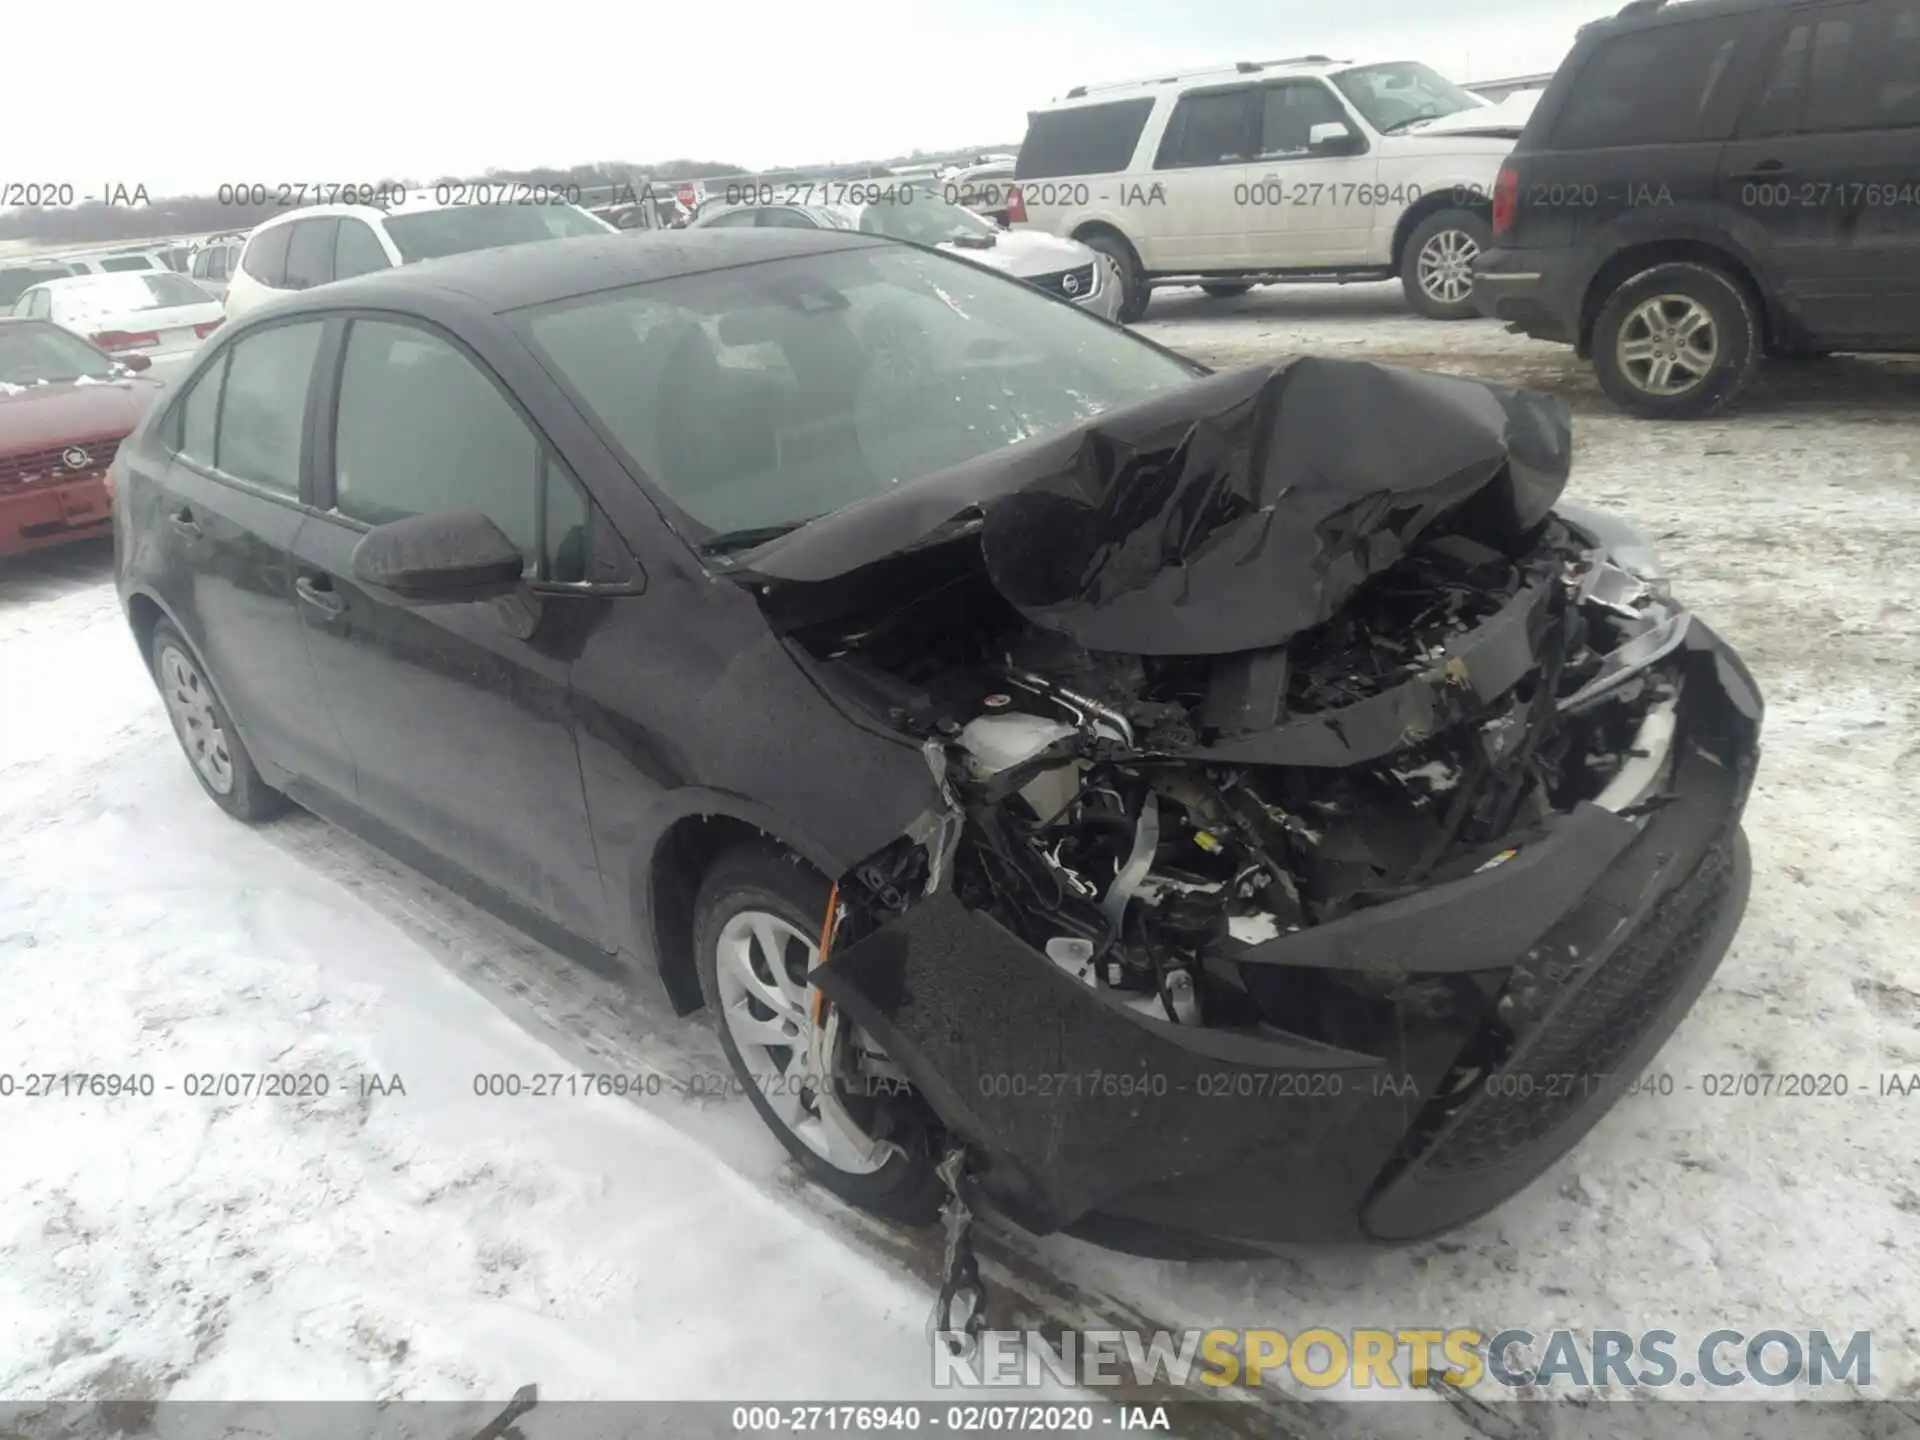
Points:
[(1648, 87), (1084, 140), (265, 258)]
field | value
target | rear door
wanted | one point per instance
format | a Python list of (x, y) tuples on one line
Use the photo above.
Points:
[(457, 716), (229, 505), (1827, 164), (1202, 169)]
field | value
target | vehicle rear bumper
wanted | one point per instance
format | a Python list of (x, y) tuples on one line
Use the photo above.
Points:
[(43, 515), (1174, 1140), (1529, 291)]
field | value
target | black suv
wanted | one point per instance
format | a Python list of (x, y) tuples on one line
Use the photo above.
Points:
[(1708, 182)]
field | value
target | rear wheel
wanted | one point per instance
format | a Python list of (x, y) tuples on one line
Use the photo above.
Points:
[(1676, 341), (756, 931), (1134, 290), (1225, 289), (213, 747), (1436, 270)]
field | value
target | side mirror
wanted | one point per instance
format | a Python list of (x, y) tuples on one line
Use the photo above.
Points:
[(1332, 137), (441, 559), (135, 362)]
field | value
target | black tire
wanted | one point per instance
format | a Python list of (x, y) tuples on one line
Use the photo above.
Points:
[(1134, 289), (1735, 334), (176, 668), (1226, 289), (1472, 233), (765, 878)]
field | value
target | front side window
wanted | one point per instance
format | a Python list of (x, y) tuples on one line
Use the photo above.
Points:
[(1399, 96), (263, 415), (422, 430), (429, 234), (1862, 68), (767, 395), (1211, 128), (1648, 87), (1288, 114)]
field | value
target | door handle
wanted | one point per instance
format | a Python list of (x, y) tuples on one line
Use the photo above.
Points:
[(1765, 170), (319, 595), (183, 521)]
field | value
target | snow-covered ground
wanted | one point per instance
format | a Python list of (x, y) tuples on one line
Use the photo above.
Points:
[(436, 1243)]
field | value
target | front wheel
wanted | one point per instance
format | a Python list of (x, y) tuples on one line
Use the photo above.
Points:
[(1436, 270), (1676, 341), (1134, 290), (852, 1125)]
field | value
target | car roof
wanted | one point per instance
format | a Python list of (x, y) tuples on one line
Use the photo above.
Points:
[(1242, 71), (109, 277), (510, 277), (1640, 14)]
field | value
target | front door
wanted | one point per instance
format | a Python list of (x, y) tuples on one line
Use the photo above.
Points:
[(457, 715), (1827, 162), (1317, 208)]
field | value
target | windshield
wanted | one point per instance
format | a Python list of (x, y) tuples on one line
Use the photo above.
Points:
[(429, 234), (922, 217), (1394, 97), (761, 396), (32, 351)]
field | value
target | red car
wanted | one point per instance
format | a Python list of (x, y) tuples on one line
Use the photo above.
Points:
[(65, 406)]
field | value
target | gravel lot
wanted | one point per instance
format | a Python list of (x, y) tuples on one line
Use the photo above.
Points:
[(1789, 522)]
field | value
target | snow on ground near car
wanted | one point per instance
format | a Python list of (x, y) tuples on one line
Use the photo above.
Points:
[(426, 1245), (606, 1248)]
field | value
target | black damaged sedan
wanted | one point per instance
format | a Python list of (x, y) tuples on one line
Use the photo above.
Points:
[(1223, 810)]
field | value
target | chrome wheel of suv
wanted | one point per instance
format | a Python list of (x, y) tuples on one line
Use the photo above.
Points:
[(1667, 345), (1446, 266), (190, 704)]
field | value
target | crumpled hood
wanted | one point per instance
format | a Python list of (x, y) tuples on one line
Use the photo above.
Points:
[(1228, 516), (1027, 253), (38, 417)]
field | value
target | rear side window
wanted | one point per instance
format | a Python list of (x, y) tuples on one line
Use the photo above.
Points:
[(1854, 67), (356, 250), (265, 258), (1648, 87), (1086, 140), (310, 253), (200, 413), (263, 413)]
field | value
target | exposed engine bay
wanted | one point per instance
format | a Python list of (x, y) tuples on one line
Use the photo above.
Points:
[(1297, 722)]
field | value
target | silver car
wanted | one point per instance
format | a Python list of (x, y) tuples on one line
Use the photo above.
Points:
[(916, 213)]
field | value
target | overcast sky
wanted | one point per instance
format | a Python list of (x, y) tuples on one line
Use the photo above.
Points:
[(182, 98)]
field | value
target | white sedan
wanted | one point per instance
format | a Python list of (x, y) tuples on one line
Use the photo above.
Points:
[(155, 315), (915, 212)]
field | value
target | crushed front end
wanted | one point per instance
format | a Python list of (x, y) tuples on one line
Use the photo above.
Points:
[(1333, 830)]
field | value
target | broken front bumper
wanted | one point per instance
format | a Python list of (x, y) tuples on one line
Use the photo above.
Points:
[(1583, 951)]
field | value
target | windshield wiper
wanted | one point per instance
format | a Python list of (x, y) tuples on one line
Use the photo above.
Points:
[(746, 539)]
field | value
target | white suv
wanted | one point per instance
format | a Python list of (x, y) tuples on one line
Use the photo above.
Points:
[(316, 244), (1277, 171)]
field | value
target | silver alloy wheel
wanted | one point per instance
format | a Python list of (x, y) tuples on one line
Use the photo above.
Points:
[(1446, 266), (760, 964), (1665, 335), (190, 703)]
